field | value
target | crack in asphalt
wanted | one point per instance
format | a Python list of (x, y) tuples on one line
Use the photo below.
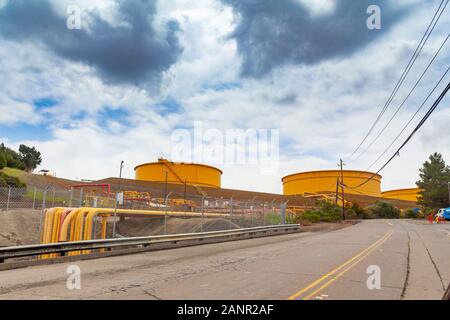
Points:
[(432, 260), (408, 266)]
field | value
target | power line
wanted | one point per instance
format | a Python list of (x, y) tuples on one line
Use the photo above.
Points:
[(410, 120), (419, 125), (403, 76), (407, 97)]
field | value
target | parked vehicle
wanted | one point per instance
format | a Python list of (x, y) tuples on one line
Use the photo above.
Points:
[(443, 214)]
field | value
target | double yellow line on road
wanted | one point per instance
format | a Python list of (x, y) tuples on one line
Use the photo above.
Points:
[(340, 270)]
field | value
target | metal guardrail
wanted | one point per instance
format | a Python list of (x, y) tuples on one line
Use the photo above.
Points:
[(64, 247)]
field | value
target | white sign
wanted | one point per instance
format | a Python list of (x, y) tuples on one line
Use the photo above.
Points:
[(120, 198)]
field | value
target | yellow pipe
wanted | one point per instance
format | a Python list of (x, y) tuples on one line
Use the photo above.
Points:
[(104, 228), (80, 222), (66, 224), (47, 225)]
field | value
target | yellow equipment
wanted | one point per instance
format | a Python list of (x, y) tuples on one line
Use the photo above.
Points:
[(410, 194), (199, 175), (326, 181), (69, 224)]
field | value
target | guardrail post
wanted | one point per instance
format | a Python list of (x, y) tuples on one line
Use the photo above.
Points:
[(34, 198), (9, 198)]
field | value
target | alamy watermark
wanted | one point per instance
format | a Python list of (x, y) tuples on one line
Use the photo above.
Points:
[(257, 147), (73, 21), (374, 20), (74, 279), (374, 279)]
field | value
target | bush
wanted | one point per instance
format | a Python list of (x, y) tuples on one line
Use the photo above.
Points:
[(6, 181), (311, 216), (330, 212), (384, 210), (359, 211), (327, 212)]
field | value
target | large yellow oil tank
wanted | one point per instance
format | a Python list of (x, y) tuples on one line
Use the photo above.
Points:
[(179, 173), (326, 180), (410, 194)]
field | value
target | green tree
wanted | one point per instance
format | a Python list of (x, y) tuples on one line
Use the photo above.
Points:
[(2, 161), (31, 158), (13, 159), (433, 183)]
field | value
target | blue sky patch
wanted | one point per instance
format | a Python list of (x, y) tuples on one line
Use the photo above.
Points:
[(45, 103), (20, 132), (169, 106)]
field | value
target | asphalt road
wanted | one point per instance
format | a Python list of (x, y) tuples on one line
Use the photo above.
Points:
[(412, 257)]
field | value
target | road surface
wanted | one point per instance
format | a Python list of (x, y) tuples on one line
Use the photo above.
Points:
[(413, 259)]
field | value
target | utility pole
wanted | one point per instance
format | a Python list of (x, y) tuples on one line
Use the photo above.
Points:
[(341, 165)]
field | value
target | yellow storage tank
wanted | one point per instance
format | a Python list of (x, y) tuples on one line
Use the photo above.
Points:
[(410, 194), (194, 174), (326, 180)]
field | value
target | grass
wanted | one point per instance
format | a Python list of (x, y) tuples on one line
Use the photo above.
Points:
[(275, 218), (14, 172)]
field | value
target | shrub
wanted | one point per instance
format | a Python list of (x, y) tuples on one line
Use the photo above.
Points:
[(311, 216), (411, 214), (329, 212), (384, 210), (359, 211), (6, 181)]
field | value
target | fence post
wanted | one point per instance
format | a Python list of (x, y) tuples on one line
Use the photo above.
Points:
[(264, 214), (165, 212), (9, 198), (34, 198), (231, 211), (81, 197), (203, 213), (71, 196), (283, 212), (44, 195), (53, 198)]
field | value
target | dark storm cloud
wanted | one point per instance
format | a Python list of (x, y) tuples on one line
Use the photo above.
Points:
[(274, 33), (133, 53)]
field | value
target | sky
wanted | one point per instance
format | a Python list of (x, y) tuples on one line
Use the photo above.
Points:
[(135, 74)]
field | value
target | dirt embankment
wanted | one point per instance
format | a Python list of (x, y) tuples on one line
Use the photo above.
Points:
[(19, 227)]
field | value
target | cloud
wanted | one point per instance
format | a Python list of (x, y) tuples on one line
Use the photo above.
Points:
[(13, 112), (270, 33), (133, 51)]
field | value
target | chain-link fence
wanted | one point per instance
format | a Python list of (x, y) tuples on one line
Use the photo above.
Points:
[(202, 213), (23, 198)]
